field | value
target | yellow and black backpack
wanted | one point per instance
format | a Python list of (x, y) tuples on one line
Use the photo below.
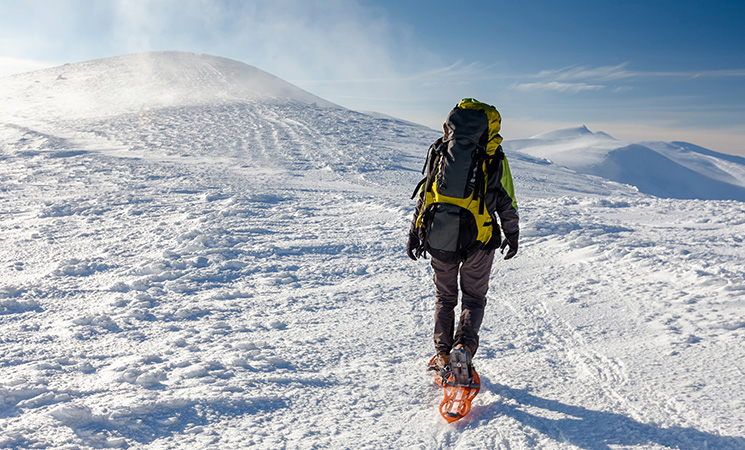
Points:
[(452, 218)]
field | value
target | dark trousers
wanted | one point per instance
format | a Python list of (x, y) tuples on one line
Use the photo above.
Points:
[(474, 284)]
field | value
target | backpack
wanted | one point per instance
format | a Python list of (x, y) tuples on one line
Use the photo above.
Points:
[(452, 218)]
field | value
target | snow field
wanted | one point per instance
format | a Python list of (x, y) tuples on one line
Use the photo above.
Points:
[(168, 278), (233, 275)]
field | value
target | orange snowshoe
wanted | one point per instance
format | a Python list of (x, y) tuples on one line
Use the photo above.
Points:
[(456, 403)]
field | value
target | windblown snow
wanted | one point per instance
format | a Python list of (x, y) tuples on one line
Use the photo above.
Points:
[(195, 254)]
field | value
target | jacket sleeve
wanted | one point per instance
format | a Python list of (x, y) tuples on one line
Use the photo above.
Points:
[(504, 202), (417, 209)]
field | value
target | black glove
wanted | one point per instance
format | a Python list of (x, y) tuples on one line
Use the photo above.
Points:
[(513, 248), (413, 245)]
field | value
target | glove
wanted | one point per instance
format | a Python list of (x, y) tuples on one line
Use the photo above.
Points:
[(412, 246), (512, 250)]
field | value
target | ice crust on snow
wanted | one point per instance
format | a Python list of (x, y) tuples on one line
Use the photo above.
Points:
[(228, 271)]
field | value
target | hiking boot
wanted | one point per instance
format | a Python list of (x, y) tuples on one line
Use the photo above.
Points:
[(441, 365), (460, 364)]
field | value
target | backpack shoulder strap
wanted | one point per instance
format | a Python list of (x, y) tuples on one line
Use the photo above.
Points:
[(433, 156), (490, 165)]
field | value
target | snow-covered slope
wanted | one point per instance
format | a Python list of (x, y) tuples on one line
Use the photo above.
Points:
[(133, 83), (673, 170), (231, 274)]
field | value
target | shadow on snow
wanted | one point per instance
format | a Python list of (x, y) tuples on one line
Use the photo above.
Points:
[(593, 430)]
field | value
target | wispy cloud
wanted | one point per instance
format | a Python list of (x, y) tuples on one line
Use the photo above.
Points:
[(615, 79), (335, 40), (572, 88), (601, 73), (622, 72), (453, 73)]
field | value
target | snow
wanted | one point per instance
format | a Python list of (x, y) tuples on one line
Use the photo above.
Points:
[(228, 271), (138, 82), (663, 169)]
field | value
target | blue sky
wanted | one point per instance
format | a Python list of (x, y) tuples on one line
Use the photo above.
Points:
[(638, 70)]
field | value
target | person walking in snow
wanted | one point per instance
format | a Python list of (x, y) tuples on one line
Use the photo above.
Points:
[(468, 185)]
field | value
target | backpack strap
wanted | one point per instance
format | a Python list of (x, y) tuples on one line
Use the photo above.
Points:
[(487, 164), (418, 187), (432, 156)]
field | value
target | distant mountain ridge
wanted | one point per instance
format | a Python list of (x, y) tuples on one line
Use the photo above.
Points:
[(664, 169)]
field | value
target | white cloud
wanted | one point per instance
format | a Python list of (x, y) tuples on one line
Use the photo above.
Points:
[(334, 46), (572, 88), (604, 73), (621, 72), (576, 79)]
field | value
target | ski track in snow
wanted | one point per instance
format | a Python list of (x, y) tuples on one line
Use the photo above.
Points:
[(234, 276)]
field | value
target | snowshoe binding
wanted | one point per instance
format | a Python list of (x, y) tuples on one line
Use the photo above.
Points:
[(460, 363), (440, 369), (460, 387)]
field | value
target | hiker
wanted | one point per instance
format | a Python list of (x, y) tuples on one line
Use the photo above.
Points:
[(468, 184)]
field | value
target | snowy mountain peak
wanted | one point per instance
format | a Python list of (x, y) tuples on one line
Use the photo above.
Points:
[(673, 170), (569, 133), (130, 83)]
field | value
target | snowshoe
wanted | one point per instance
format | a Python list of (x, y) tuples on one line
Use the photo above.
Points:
[(459, 384), (456, 403)]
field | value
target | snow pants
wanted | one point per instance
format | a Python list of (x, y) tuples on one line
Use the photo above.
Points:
[(474, 284)]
